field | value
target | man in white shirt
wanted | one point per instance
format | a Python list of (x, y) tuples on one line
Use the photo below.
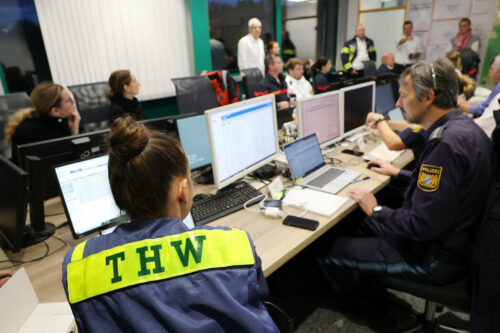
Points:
[(355, 51), (408, 48), (297, 83), (251, 47)]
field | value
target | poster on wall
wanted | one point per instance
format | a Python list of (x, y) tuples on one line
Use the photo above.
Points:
[(451, 9), (420, 15)]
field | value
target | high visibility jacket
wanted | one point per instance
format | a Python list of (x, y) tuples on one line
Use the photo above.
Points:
[(350, 50), (159, 276)]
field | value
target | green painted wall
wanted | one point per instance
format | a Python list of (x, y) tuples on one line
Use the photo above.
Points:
[(201, 35), (4, 83)]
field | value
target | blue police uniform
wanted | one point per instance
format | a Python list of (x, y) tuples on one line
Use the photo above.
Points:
[(269, 85), (429, 238), (413, 139), (185, 281), (321, 82)]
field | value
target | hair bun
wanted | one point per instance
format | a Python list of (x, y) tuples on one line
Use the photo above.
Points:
[(127, 139)]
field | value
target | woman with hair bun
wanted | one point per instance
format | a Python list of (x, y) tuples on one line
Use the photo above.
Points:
[(123, 87), (155, 274), (53, 116)]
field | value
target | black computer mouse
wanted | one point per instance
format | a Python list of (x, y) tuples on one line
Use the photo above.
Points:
[(200, 196), (373, 165)]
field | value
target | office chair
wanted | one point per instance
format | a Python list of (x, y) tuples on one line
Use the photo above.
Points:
[(194, 94), (9, 104), (251, 78), (370, 68), (93, 105)]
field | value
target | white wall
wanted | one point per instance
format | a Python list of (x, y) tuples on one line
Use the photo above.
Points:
[(86, 40), (302, 31)]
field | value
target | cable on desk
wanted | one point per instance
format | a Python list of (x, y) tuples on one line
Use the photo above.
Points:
[(54, 214)]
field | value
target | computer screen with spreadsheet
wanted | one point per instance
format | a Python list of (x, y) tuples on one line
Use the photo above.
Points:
[(87, 196), (320, 114), (243, 137)]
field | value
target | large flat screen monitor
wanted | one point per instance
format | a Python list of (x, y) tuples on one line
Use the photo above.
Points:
[(243, 137), (86, 196), (321, 115), (384, 98), (358, 101), (193, 136), (13, 203)]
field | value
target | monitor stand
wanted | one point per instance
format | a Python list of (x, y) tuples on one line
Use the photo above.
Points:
[(206, 177), (32, 237)]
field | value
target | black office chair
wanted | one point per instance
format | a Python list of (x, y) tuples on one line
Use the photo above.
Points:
[(195, 94), (9, 104), (251, 78), (93, 105), (369, 68)]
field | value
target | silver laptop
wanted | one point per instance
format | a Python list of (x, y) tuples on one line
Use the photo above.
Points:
[(308, 167)]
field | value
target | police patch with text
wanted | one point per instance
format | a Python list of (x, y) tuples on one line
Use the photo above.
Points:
[(429, 177)]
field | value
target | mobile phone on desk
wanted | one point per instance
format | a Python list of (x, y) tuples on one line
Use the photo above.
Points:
[(352, 152), (300, 222)]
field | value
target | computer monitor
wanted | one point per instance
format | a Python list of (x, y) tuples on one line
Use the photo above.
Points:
[(38, 158), (358, 101), (193, 136), (384, 98), (320, 114), (243, 137), (86, 196), (166, 124), (13, 203)]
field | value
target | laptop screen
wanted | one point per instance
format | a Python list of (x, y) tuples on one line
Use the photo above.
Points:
[(396, 114), (304, 156), (87, 195)]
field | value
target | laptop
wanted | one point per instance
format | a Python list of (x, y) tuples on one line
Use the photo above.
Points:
[(309, 169), (87, 198)]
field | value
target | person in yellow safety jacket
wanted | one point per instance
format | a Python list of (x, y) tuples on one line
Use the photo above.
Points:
[(356, 50), (155, 274)]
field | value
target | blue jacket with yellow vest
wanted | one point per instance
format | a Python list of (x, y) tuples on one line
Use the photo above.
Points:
[(159, 276), (350, 50)]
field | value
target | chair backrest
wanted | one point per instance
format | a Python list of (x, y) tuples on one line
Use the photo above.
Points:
[(251, 79), (93, 105), (194, 94), (369, 68), (10, 103)]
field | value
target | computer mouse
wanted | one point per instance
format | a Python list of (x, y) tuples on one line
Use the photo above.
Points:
[(200, 196), (373, 165)]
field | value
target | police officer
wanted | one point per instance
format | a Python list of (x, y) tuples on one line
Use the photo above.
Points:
[(430, 237), (154, 274), (274, 82)]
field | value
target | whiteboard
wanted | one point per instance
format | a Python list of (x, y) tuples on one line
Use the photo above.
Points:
[(384, 34)]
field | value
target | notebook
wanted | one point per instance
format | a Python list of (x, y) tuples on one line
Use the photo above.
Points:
[(309, 169)]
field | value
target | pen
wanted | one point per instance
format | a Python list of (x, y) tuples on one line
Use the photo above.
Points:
[(360, 179)]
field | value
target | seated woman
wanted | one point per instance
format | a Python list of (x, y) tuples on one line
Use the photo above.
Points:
[(322, 66), (53, 116), (123, 87), (155, 274)]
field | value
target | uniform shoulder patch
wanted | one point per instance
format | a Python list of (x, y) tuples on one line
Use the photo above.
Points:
[(416, 128), (429, 177), (437, 133)]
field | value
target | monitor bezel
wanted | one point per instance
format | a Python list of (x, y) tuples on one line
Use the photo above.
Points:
[(191, 115), (341, 113), (208, 113), (66, 211), (354, 87)]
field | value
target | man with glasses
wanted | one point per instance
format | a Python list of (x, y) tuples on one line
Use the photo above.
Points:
[(430, 237)]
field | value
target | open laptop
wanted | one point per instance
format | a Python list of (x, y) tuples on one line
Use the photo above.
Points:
[(308, 167), (87, 198)]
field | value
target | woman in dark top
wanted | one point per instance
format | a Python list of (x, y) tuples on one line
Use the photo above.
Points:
[(322, 66), (123, 87), (53, 116)]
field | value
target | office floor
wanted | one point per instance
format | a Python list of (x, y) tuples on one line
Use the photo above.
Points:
[(300, 289)]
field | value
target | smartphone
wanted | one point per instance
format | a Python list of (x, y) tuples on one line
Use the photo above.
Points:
[(352, 152), (300, 222)]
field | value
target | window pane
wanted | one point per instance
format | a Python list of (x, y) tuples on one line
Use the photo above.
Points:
[(22, 52), (229, 22)]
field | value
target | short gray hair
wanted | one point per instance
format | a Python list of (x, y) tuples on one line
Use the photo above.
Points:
[(253, 21), (439, 76)]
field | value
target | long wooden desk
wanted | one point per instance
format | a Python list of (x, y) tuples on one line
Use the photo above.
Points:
[(275, 243)]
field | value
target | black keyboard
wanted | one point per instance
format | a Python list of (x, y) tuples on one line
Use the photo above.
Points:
[(227, 200)]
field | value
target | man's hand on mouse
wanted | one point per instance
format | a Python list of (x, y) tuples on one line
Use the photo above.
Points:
[(383, 167)]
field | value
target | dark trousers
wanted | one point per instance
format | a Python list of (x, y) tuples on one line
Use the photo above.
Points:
[(365, 253)]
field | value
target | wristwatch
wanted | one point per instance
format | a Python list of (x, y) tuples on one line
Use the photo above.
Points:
[(375, 211), (378, 121)]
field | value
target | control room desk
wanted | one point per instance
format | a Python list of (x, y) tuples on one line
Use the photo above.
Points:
[(275, 243)]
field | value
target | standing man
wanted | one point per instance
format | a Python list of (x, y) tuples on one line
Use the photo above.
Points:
[(355, 51), (408, 49), (251, 47), (431, 236), (274, 82)]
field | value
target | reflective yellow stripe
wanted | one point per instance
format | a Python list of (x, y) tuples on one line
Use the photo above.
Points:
[(345, 49), (346, 67), (78, 251), (372, 49), (416, 128), (156, 259)]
